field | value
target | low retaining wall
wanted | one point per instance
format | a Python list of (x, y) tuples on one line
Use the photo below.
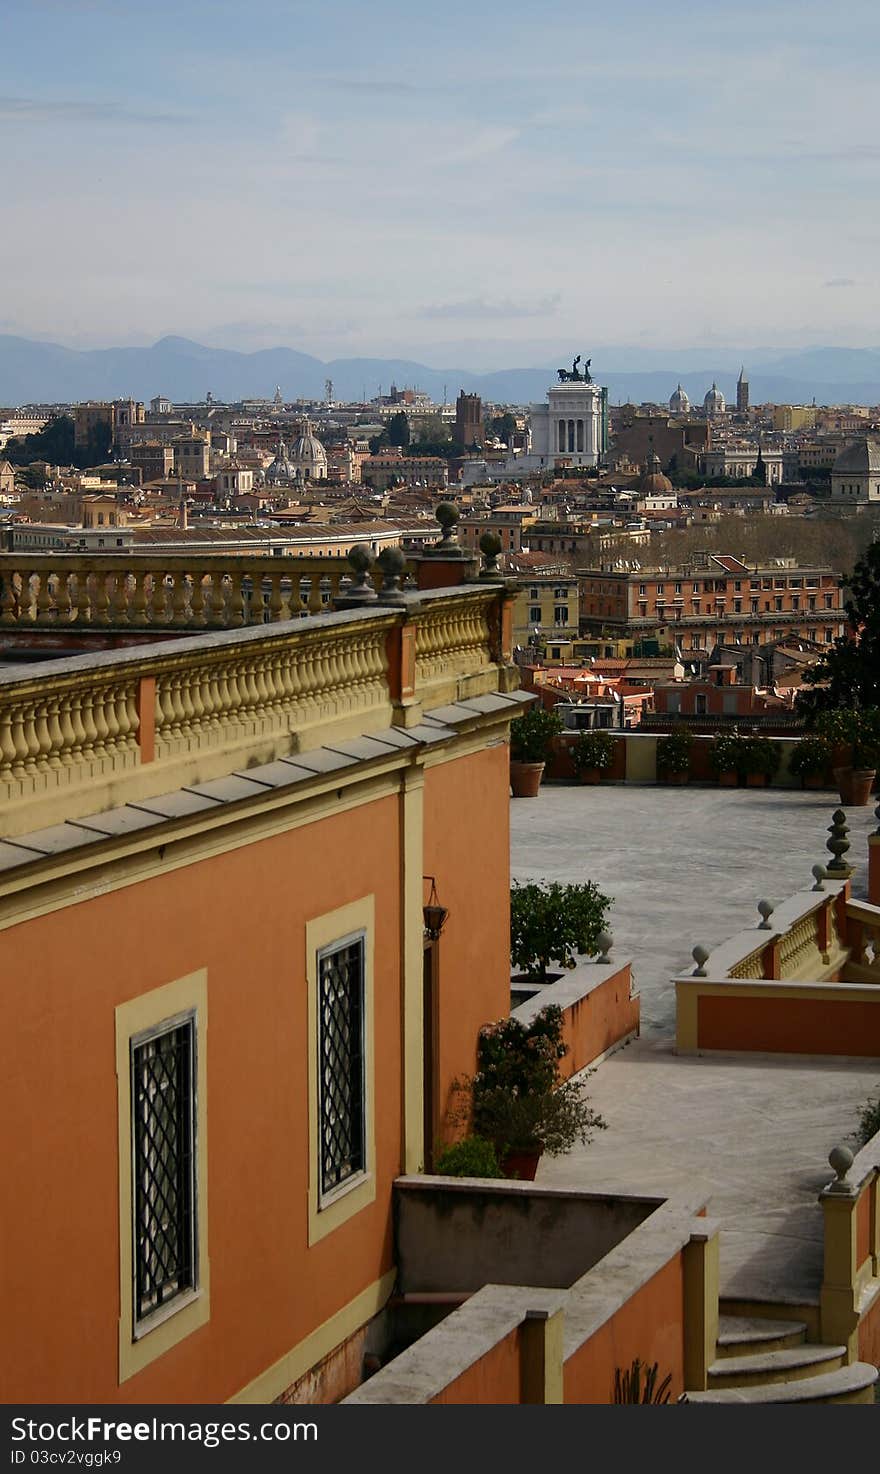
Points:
[(599, 1010), (774, 1017), (654, 1296), (850, 1295), (635, 760)]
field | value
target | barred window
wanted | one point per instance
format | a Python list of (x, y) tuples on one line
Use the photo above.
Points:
[(163, 1165), (341, 1103)]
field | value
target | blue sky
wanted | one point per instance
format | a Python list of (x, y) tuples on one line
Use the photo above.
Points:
[(481, 183)]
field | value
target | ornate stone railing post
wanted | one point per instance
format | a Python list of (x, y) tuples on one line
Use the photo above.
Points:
[(838, 844), (837, 1301)]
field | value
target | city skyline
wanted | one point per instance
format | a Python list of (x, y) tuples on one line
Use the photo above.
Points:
[(457, 187)]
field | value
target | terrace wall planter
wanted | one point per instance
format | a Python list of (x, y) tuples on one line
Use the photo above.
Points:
[(676, 779), (522, 1165), (756, 780), (525, 779), (590, 775), (855, 785), (728, 780)]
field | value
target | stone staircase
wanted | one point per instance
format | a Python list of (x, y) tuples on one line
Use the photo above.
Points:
[(760, 1360)]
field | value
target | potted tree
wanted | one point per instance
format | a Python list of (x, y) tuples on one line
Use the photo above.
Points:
[(554, 923), (674, 756), (725, 757), (854, 735), (531, 736), (517, 1101), (810, 761), (592, 754), (759, 760)]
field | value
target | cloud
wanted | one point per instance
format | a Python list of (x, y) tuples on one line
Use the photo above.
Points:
[(840, 281), (479, 308), (32, 109)]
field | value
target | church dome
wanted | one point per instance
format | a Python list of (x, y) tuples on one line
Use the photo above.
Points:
[(653, 482), (679, 404), (861, 457), (714, 403), (281, 472), (309, 456)]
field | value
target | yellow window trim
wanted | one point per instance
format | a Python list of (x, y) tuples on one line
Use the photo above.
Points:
[(350, 1198), (140, 1346)]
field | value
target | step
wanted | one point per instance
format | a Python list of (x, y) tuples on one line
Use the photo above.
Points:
[(786, 1365), (738, 1334), (848, 1384)]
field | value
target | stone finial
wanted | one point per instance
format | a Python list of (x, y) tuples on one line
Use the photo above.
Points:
[(700, 955), (819, 874), (605, 942), (447, 515), (838, 844), (766, 909), (840, 1158), (392, 562), (360, 590), (490, 547)]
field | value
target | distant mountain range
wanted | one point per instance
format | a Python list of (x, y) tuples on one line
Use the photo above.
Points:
[(37, 372)]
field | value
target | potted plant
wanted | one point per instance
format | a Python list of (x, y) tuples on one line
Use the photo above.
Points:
[(554, 923), (725, 757), (531, 736), (473, 1156), (759, 760), (592, 754), (674, 756), (810, 761), (517, 1101), (855, 734)]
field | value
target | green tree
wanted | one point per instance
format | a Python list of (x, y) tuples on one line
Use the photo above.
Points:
[(397, 430), (849, 674), (503, 426), (554, 923), (54, 443)]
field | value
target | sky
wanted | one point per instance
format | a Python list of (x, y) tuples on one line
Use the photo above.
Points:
[(477, 182)]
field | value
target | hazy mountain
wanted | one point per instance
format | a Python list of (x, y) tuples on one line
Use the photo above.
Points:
[(33, 371)]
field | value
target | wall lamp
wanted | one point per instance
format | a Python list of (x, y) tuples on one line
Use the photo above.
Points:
[(433, 913)]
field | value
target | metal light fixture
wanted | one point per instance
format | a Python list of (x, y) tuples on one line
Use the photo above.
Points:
[(433, 913)]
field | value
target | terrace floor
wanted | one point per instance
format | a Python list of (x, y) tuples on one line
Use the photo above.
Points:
[(686, 866)]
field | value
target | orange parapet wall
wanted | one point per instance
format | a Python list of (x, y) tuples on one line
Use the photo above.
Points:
[(828, 1024), (495, 1378), (649, 1326)]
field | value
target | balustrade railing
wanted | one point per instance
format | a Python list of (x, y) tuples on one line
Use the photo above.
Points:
[(143, 591)]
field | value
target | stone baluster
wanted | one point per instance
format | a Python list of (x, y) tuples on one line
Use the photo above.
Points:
[(101, 607), (276, 599), (179, 600), (235, 607), (62, 598), (118, 598), (26, 600), (45, 601), (56, 732), (83, 598), (197, 600), (159, 605), (137, 609)]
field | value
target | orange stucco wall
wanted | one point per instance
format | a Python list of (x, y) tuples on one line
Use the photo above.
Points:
[(594, 1023), (789, 1025), (649, 1326), (467, 848), (242, 916), (495, 1378)]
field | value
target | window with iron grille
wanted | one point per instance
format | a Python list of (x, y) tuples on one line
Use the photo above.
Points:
[(342, 1147), (163, 1166)]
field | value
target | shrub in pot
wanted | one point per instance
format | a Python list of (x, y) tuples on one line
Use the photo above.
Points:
[(554, 923), (674, 756), (726, 757), (517, 1101), (759, 760), (810, 761), (855, 734), (531, 737), (473, 1156), (592, 754)]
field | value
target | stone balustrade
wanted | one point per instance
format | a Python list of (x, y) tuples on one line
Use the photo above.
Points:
[(143, 591), (104, 729), (863, 936)]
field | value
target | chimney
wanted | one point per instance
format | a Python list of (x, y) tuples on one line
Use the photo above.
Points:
[(183, 515)]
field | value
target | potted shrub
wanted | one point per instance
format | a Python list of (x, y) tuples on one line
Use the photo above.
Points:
[(725, 757), (674, 756), (531, 736), (473, 1156), (554, 923), (810, 761), (855, 734), (759, 760), (592, 754), (516, 1100)]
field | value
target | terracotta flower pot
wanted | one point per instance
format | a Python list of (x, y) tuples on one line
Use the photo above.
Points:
[(525, 779), (523, 1164), (855, 786), (675, 778), (756, 780), (589, 775), (813, 780), (728, 780)]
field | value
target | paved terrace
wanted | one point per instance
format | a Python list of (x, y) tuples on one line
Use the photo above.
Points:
[(687, 866)]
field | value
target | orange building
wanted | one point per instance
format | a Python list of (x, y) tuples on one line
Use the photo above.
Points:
[(714, 599), (226, 1029)]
